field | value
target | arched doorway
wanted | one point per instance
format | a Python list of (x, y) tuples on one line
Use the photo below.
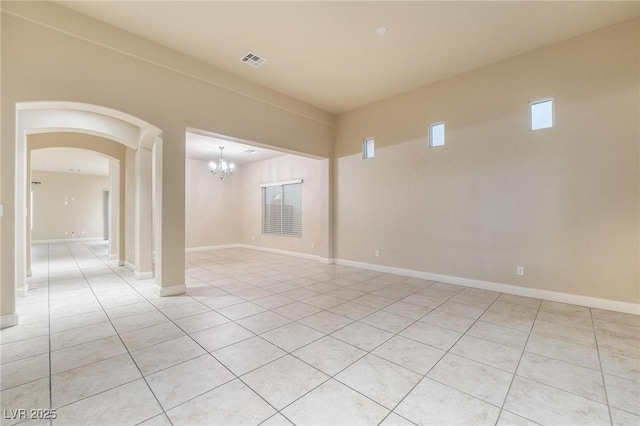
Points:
[(113, 165), (137, 135)]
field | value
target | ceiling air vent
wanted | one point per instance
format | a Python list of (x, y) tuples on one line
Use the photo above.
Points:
[(253, 60)]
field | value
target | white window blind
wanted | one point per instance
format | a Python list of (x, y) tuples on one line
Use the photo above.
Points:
[(282, 209)]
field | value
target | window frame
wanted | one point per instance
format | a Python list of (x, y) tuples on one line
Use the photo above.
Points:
[(365, 146), (282, 226), (444, 138), (553, 112)]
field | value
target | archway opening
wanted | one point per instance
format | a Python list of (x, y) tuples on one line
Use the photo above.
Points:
[(141, 138), (70, 195), (276, 200)]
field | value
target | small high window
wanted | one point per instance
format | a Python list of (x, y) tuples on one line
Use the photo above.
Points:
[(368, 148), (436, 135), (541, 114)]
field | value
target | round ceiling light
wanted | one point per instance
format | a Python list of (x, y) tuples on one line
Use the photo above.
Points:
[(381, 31)]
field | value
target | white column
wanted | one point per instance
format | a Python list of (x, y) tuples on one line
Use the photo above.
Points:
[(29, 219), (8, 244), (157, 214), (21, 212), (143, 215), (114, 208), (325, 228), (169, 199)]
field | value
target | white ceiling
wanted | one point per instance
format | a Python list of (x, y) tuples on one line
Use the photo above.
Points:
[(327, 53), (69, 160), (206, 148)]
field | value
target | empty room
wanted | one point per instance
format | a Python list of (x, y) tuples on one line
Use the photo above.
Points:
[(320, 213)]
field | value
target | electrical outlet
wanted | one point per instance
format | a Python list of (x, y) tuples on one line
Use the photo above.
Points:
[(520, 270), (377, 253), (313, 245), (253, 238)]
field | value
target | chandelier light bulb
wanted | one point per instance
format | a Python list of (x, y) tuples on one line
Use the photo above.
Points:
[(221, 168)]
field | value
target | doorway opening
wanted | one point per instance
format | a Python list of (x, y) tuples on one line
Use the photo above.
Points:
[(138, 140), (229, 210)]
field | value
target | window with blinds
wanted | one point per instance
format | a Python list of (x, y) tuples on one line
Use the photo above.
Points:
[(282, 209)]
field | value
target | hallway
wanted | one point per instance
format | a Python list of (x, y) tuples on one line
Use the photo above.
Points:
[(262, 338)]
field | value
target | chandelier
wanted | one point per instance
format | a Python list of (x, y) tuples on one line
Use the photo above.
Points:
[(221, 168)]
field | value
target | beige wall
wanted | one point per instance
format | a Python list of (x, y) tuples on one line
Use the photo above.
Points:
[(51, 53), (281, 169), (563, 202), (80, 217), (230, 211), (212, 207), (104, 146)]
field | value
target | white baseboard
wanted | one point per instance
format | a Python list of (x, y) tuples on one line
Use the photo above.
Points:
[(138, 275), (554, 296), (67, 240), (207, 248), (143, 275), (29, 272), (22, 291), (278, 251), (171, 290), (113, 256), (260, 248), (8, 320)]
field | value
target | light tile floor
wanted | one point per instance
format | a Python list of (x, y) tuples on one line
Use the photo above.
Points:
[(268, 339)]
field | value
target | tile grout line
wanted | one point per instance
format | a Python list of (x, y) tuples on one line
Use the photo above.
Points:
[(382, 309), (121, 341), (604, 383), (561, 389), (356, 360), (515, 372), (283, 356), (361, 357), (424, 376), (186, 334), (290, 353), (196, 342), (388, 285), (49, 318), (208, 353), (334, 331)]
